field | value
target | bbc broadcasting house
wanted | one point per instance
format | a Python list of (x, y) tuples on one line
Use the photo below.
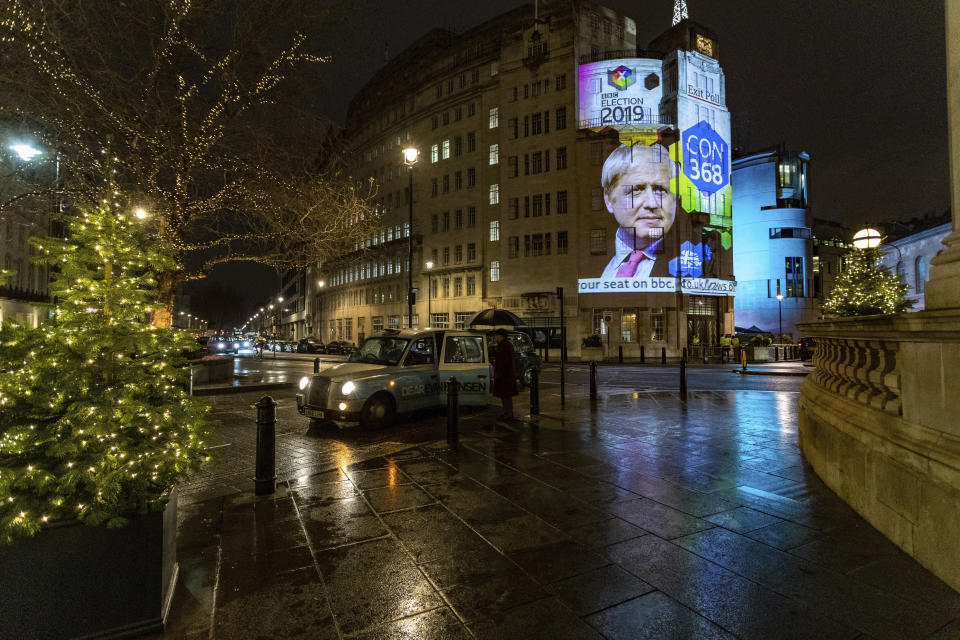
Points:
[(513, 121)]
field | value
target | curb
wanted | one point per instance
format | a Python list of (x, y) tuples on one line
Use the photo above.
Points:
[(771, 373), (263, 386)]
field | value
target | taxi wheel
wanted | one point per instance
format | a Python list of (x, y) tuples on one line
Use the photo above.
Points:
[(378, 412), (526, 376)]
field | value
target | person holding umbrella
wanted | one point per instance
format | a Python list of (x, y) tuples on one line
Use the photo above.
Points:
[(504, 374)]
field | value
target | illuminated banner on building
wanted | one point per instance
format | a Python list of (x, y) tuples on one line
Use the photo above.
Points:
[(666, 187), (621, 93)]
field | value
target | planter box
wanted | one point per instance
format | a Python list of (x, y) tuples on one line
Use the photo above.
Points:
[(76, 581), (593, 354), (215, 369)]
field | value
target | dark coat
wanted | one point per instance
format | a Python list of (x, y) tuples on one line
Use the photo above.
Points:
[(504, 371)]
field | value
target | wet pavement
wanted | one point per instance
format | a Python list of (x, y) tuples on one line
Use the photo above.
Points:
[(646, 515)]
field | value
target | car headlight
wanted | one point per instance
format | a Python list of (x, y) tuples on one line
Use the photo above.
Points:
[(347, 388), (219, 345), (246, 343), (304, 381)]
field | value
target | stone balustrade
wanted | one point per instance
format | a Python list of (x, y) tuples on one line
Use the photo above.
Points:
[(879, 421)]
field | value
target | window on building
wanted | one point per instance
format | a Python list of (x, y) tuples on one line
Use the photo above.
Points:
[(596, 199), (457, 146), (561, 82), (561, 118), (446, 256), (471, 178), (458, 254), (471, 286), (596, 153), (446, 287), (494, 194), (474, 78), (446, 221), (377, 324), (446, 183), (537, 244), (440, 320), (348, 328), (433, 256), (494, 154), (536, 124), (512, 167), (546, 204), (457, 287), (598, 241), (458, 181), (526, 164), (537, 205), (526, 126), (513, 247), (471, 252), (434, 187), (471, 217), (458, 219), (561, 243), (526, 206), (446, 118), (393, 322), (921, 274), (561, 202), (445, 150), (460, 320), (494, 120), (434, 122), (494, 230), (794, 277), (657, 325), (513, 208), (472, 107), (628, 325), (458, 114), (471, 141), (494, 271), (494, 68), (434, 153)]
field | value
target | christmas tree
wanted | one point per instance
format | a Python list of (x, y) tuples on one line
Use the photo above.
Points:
[(95, 420), (865, 287)]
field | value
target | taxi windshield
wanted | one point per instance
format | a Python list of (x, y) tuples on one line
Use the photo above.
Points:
[(382, 350)]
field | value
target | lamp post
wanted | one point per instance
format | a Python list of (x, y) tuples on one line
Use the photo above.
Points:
[(870, 238), (410, 157), (429, 293), (780, 317), (320, 285)]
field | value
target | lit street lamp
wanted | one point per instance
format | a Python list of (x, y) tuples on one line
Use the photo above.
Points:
[(867, 239), (429, 292), (780, 317), (25, 151), (410, 157)]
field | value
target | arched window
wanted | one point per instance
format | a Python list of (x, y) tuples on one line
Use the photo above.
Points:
[(921, 274)]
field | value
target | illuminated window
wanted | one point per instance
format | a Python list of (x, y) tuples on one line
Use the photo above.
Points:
[(494, 271), (440, 320), (494, 230), (628, 325), (377, 324), (494, 154), (446, 149), (494, 117), (794, 277), (495, 194), (657, 325), (494, 69), (434, 153)]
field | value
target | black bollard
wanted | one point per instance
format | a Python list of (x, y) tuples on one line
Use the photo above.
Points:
[(684, 354), (620, 354), (453, 412), (534, 392), (642, 355), (776, 354), (663, 355), (316, 365), (683, 375), (593, 380), (265, 482)]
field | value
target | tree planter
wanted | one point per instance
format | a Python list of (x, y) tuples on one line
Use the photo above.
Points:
[(592, 354), (76, 581)]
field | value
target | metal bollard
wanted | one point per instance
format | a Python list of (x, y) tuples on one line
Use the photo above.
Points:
[(620, 354), (453, 412), (684, 354), (642, 355), (743, 359), (663, 355), (593, 380), (316, 365), (776, 354), (683, 375), (534, 392), (265, 482)]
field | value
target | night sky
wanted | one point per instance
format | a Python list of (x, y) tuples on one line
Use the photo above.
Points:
[(860, 85)]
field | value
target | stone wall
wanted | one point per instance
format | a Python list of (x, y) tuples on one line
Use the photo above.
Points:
[(879, 421)]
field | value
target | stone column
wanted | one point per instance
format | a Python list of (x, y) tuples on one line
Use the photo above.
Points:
[(943, 290)]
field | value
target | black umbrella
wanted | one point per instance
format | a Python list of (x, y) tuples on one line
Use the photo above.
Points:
[(495, 318)]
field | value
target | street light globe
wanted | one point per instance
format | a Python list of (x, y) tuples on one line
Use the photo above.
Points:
[(410, 156), (280, 299), (779, 296), (261, 309), (321, 283), (141, 213), (867, 239), (25, 151), (271, 306), (429, 265)]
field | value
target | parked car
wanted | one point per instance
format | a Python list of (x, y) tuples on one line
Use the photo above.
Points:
[(808, 346), (310, 345), (341, 347), (526, 360), (395, 372)]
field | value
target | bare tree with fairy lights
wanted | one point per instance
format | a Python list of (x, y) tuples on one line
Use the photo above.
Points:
[(201, 112)]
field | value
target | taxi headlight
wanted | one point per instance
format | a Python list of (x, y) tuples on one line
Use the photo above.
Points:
[(246, 343), (347, 388), (304, 381), (219, 345)]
